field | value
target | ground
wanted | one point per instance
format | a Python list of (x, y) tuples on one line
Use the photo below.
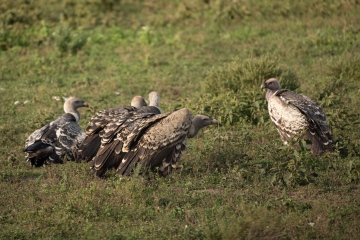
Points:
[(236, 180)]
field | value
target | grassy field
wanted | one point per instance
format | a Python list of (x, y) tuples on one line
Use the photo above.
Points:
[(236, 180)]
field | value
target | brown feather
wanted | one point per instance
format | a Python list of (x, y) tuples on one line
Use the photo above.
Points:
[(59, 139), (298, 117), (161, 146)]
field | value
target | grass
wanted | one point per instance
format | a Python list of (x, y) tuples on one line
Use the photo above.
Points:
[(236, 180)]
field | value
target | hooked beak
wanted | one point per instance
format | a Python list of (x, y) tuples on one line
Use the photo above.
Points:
[(214, 121), (264, 85), (85, 104)]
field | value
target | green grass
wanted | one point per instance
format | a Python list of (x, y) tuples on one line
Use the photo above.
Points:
[(236, 180)]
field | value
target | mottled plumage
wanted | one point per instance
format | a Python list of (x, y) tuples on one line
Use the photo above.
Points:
[(298, 117), (104, 125), (161, 147), (58, 139), (120, 139)]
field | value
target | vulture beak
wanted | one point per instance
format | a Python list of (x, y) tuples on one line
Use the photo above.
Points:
[(85, 104), (214, 121), (264, 85)]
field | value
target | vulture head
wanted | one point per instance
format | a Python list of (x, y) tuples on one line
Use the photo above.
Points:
[(138, 102), (73, 103), (198, 122), (272, 85)]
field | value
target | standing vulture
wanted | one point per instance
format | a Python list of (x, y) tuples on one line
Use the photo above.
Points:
[(103, 125), (152, 140), (58, 139), (298, 117)]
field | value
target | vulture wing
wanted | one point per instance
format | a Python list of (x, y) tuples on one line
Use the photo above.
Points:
[(119, 138), (296, 115), (160, 146)]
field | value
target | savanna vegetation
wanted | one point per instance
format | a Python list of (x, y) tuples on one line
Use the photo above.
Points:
[(236, 180)]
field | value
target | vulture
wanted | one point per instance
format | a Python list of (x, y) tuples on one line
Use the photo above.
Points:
[(155, 141), (58, 139), (103, 124), (298, 117)]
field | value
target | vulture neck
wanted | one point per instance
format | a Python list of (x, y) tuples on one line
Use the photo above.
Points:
[(70, 109), (269, 93), (194, 128), (154, 100), (193, 131)]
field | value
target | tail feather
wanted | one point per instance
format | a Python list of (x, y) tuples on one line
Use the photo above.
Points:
[(319, 142), (38, 153), (36, 146), (105, 156), (89, 147), (129, 161), (97, 172)]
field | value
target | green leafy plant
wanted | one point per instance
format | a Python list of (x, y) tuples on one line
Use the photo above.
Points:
[(233, 90)]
